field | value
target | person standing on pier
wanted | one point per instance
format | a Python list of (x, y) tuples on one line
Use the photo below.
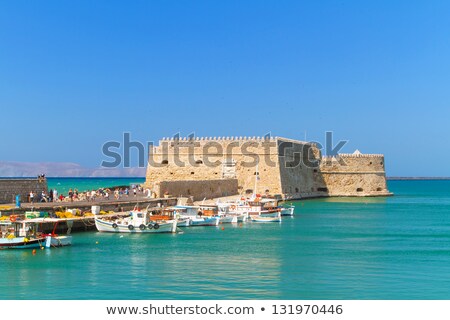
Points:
[(43, 196), (31, 197), (92, 195), (50, 195)]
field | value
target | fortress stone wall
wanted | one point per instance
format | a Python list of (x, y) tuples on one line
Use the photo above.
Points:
[(198, 189), (10, 187), (363, 175), (278, 166)]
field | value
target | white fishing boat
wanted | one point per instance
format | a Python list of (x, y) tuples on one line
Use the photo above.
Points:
[(225, 211), (183, 222), (137, 222), (228, 219), (198, 215), (204, 221), (24, 234), (12, 236), (211, 214), (53, 240), (258, 218), (242, 217), (270, 214), (287, 211), (246, 208)]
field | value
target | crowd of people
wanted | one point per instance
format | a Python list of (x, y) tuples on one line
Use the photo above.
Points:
[(90, 195)]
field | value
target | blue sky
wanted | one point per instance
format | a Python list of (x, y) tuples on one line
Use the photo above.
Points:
[(74, 75)]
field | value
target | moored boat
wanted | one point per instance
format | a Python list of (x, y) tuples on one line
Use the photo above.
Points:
[(287, 211), (198, 215), (24, 234), (204, 222), (12, 236), (258, 218), (55, 240), (252, 208), (58, 241), (183, 222), (225, 210), (137, 222), (228, 219), (242, 217)]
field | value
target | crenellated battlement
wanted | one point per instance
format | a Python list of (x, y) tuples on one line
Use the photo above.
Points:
[(227, 140), (206, 139), (351, 155)]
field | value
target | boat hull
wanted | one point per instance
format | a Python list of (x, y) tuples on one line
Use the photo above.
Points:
[(183, 223), (204, 222), (287, 211), (58, 241), (269, 215), (242, 217), (161, 227), (21, 243), (228, 219), (265, 219)]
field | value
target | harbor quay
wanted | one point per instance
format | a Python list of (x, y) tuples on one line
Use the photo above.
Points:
[(80, 222)]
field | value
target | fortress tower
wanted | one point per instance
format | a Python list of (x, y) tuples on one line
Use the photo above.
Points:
[(214, 167)]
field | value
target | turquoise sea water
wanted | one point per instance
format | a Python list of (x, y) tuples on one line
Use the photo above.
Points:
[(344, 248), (84, 184)]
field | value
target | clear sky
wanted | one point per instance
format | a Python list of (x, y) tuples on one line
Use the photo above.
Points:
[(75, 74)]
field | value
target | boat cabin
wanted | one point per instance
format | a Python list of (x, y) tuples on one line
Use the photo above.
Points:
[(209, 211), (162, 215), (192, 211), (139, 217), (17, 229)]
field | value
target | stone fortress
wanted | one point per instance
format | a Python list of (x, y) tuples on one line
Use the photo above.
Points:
[(291, 169)]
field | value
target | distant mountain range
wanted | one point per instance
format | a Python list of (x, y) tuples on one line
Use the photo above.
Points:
[(63, 169)]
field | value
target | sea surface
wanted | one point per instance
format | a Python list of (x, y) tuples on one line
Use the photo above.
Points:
[(343, 248), (84, 184)]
